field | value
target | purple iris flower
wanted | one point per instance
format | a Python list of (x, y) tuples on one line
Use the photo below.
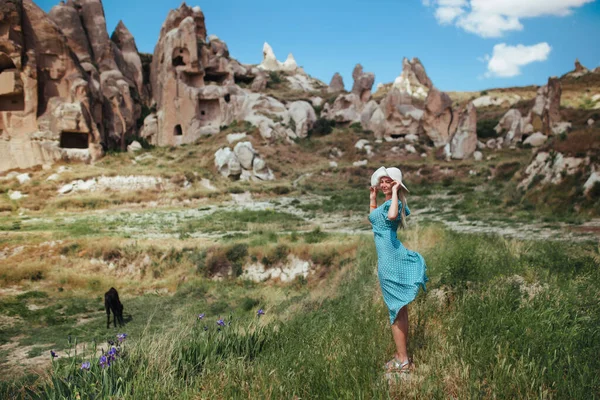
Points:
[(85, 365), (260, 312), (104, 361), (121, 337), (201, 316), (220, 322), (112, 353), (53, 354)]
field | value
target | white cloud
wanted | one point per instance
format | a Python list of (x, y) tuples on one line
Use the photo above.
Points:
[(492, 18), (506, 61)]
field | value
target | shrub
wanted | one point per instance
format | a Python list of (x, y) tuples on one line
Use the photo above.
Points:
[(237, 255), (322, 127), (277, 255), (315, 236), (274, 79), (485, 128), (356, 127)]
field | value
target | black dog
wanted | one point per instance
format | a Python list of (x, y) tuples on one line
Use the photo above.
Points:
[(111, 302)]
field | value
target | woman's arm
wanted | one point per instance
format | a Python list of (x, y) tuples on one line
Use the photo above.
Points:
[(393, 211), (373, 197)]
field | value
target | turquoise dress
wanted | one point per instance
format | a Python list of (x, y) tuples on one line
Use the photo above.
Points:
[(401, 271)]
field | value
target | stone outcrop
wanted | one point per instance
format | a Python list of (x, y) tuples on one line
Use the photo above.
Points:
[(242, 163), (304, 117), (114, 67), (439, 121), (363, 83), (579, 70), (336, 84), (47, 105), (546, 109), (464, 141), (401, 117), (270, 63), (413, 80), (349, 107), (543, 118), (551, 168), (192, 80), (131, 65)]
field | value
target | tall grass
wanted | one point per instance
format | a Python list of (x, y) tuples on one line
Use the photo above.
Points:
[(502, 319)]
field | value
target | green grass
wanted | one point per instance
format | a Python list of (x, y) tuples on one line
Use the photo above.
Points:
[(516, 319)]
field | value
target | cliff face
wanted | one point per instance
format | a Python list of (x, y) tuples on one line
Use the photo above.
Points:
[(46, 101)]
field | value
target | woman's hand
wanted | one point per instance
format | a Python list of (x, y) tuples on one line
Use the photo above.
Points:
[(373, 194), (395, 187)]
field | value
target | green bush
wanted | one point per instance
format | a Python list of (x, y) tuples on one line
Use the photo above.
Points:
[(322, 127), (485, 128)]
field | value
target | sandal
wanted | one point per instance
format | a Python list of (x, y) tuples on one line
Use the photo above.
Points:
[(395, 365)]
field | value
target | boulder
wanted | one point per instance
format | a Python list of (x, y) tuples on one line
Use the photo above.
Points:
[(260, 170), (134, 147), (234, 137), (536, 140), (346, 108), (245, 154), (304, 117), (511, 126), (593, 180), (22, 178)]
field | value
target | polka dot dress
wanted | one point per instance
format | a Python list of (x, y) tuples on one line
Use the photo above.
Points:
[(401, 271)]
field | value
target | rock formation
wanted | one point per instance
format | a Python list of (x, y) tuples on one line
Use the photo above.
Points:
[(363, 83), (192, 82), (47, 106), (336, 84), (439, 120), (413, 79), (544, 117), (114, 67), (270, 63), (242, 163), (579, 70), (464, 141)]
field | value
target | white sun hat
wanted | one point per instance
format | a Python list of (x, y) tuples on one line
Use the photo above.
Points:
[(392, 172)]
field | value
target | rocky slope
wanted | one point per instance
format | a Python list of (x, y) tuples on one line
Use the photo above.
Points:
[(71, 91)]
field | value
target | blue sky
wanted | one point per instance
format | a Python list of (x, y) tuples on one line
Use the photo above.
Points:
[(455, 39)]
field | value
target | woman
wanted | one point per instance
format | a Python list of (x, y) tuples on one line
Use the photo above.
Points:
[(400, 271)]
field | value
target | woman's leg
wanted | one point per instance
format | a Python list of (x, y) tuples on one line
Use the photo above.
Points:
[(400, 333)]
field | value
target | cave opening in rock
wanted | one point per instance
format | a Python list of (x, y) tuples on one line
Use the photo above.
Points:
[(215, 77), (181, 57), (12, 102), (178, 61), (6, 62), (177, 131), (396, 135), (243, 79), (227, 98), (74, 140)]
